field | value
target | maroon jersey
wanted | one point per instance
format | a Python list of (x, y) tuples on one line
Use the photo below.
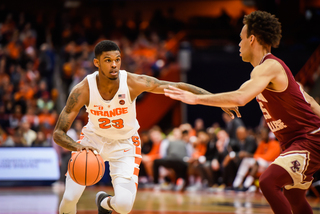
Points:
[(287, 113)]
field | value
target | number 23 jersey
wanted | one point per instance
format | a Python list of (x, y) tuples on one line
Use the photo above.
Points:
[(115, 118)]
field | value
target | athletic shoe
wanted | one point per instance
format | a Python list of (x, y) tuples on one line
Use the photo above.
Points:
[(99, 197), (231, 188), (252, 188), (242, 189)]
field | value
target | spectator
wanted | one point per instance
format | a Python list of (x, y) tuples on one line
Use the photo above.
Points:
[(3, 136), (188, 127), (174, 159), (146, 146), (15, 117), (147, 159), (199, 125), (209, 167), (28, 134), (199, 150), (248, 143), (44, 102), (42, 88), (46, 64), (16, 139), (231, 125), (47, 119), (267, 151), (4, 118), (245, 146), (31, 117), (41, 140)]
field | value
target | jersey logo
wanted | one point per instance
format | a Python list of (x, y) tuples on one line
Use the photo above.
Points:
[(121, 96), (296, 166), (262, 98), (122, 102), (100, 107), (126, 150)]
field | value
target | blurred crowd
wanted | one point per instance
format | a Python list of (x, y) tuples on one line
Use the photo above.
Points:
[(27, 94)]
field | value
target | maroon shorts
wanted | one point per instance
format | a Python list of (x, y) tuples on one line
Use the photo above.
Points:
[(301, 160)]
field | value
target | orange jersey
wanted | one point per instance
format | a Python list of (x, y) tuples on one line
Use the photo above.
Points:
[(155, 152), (268, 151), (199, 150)]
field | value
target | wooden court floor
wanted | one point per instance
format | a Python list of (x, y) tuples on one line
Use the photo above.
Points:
[(43, 200)]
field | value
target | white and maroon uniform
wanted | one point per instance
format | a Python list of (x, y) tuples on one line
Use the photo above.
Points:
[(290, 118)]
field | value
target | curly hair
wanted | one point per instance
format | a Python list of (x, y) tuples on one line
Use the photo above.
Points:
[(265, 27), (105, 45)]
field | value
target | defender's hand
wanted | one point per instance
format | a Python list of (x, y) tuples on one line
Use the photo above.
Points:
[(228, 111), (182, 95)]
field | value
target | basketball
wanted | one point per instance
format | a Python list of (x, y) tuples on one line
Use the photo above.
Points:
[(86, 168)]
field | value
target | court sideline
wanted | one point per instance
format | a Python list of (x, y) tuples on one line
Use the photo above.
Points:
[(36, 200)]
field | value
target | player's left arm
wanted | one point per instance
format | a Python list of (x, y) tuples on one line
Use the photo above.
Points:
[(144, 83)]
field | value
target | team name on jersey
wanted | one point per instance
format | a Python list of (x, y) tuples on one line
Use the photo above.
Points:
[(110, 113), (274, 125), (262, 98)]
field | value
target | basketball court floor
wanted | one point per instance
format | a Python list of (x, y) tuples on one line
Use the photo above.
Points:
[(36, 200)]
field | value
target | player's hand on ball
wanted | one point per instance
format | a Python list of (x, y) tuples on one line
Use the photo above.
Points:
[(86, 168), (94, 150), (229, 111)]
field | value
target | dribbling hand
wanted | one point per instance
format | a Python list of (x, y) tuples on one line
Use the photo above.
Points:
[(94, 150)]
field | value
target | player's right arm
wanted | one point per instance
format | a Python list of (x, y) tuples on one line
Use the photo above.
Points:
[(78, 97), (261, 77)]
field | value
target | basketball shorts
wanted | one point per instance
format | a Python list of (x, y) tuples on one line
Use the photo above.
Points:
[(301, 161), (124, 155)]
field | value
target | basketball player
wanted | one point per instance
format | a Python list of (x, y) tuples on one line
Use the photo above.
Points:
[(290, 113), (109, 96)]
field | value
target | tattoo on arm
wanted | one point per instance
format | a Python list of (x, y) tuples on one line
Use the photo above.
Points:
[(60, 135), (153, 83), (148, 82), (63, 122), (196, 89), (72, 101), (191, 88), (68, 142)]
